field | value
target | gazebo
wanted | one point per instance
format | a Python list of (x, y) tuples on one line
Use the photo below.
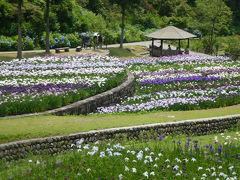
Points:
[(168, 33)]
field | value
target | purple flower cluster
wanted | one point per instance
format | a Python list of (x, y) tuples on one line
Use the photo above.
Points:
[(42, 87), (178, 79), (207, 72), (164, 73)]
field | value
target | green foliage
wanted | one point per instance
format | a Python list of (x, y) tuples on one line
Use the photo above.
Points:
[(148, 21), (235, 7), (233, 45), (212, 18), (10, 43), (154, 157), (104, 16)]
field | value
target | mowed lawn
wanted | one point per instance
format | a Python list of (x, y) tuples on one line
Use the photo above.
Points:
[(48, 125)]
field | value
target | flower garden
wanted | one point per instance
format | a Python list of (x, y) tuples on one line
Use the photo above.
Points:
[(181, 83), (152, 157), (162, 84), (168, 83), (38, 84)]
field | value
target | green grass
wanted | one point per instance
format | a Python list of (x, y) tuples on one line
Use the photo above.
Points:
[(118, 52), (10, 56), (49, 125)]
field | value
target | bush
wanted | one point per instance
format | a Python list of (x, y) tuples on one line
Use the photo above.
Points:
[(28, 43), (8, 43), (60, 40), (233, 46), (57, 40)]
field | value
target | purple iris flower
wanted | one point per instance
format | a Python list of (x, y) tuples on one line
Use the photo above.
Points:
[(220, 149)]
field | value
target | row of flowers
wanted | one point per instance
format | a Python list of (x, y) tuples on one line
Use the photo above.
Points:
[(38, 84), (163, 83), (153, 157), (184, 83)]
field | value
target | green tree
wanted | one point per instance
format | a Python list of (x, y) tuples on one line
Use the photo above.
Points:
[(19, 53), (7, 15), (165, 7), (19, 7), (95, 6), (235, 7), (212, 17), (125, 5), (47, 26)]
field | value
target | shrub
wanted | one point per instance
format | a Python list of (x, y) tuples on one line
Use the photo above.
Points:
[(28, 43), (8, 43), (233, 46), (60, 40)]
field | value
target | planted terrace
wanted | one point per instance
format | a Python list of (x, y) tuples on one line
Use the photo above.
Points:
[(183, 82), (39, 84)]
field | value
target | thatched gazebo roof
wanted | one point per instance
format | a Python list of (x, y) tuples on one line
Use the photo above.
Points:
[(171, 33)]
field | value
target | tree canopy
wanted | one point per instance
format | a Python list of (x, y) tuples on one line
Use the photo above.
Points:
[(105, 16)]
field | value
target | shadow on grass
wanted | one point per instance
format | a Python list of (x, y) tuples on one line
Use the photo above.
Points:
[(119, 52)]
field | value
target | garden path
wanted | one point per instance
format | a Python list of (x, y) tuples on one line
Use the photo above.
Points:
[(142, 43)]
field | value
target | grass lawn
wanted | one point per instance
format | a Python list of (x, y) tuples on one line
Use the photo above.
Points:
[(48, 125), (10, 56), (118, 52), (129, 51)]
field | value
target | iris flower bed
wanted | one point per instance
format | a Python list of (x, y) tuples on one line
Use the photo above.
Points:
[(154, 157), (184, 82), (39, 84)]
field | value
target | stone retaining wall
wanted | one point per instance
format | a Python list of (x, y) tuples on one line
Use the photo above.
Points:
[(107, 98), (58, 144)]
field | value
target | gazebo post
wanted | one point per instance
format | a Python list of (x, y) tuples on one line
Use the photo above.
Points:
[(152, 45), (161, 47), (179, 46), (188, 43)]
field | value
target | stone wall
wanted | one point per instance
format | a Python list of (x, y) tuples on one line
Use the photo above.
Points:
[(107, 98), (58, 144)]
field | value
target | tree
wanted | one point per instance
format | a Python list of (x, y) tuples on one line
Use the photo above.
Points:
[(19, 53), (235, 7), (212, 17), (125, 5), (94, 5), (7, 12), (19, 7), (47, 27)]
